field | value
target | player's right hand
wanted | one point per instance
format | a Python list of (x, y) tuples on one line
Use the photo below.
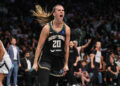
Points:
[(35, 66)]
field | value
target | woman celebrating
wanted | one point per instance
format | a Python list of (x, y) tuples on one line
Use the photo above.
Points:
[(96, 64), (53, 46), (5, 62)]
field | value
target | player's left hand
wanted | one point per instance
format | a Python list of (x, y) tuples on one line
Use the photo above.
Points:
[(65, 69)]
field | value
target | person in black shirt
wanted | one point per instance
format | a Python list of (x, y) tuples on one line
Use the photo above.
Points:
[(72, 62), (112, 70), (26, 68), (53, 46), (73, 55)]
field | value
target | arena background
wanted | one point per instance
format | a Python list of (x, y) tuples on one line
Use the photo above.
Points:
[(96, 19)]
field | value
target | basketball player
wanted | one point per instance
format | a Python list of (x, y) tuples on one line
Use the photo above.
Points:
[(53, 46), (5, 63)]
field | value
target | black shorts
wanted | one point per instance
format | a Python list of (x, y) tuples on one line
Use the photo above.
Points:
[(52, 63)]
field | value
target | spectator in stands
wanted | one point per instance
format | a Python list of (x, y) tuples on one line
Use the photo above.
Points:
[(96, 64), (13, 52), (83, 72), (26, 68), (73, 60), (79, 48), (112, 70)]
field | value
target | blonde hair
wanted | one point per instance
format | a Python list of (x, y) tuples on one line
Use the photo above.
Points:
[(42, 15), (75, 42)]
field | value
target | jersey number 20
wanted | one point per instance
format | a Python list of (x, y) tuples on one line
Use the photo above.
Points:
[(56, 43)]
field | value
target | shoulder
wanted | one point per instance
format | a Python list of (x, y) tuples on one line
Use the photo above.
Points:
[(67, 27), (10, 46), (93, 52), (46, 26), (45, 29)]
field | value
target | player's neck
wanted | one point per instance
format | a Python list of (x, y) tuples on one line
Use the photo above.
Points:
[(57, 24)]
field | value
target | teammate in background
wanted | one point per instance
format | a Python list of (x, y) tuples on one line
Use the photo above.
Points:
[(53, 47)]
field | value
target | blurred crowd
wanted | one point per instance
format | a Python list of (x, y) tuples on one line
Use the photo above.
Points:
[(88, 19)]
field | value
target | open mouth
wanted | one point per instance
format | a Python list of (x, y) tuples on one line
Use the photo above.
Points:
[(61, 15)]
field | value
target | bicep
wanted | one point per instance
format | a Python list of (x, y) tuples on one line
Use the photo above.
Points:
[(43, 37), (83, 46), (92, 56), (67, 36)]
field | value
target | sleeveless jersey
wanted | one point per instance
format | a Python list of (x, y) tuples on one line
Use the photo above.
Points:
[(55, 43)]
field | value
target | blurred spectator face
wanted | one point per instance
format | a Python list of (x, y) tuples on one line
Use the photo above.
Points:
[(27, 55), (118, 49), (13, 41), (98, 44), (119, 60), (71, 44), (83, 63), (85, 58), (111, 60), (75, 43), (112, 55)]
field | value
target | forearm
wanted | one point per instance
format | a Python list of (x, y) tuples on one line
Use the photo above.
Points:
[(113, 72), (66, 55), (84, 46), (37, 54), (77, 59), (92, 60)]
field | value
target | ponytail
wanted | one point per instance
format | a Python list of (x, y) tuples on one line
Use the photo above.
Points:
[(42, 16)]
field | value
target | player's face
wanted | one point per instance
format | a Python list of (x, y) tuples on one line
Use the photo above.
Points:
[(59, 13), (98, 44)]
